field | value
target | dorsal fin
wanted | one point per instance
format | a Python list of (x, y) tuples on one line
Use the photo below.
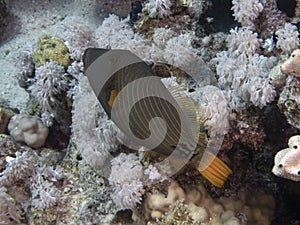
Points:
[(187, 104)]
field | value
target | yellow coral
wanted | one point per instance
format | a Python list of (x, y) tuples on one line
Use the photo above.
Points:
[(51, 48)]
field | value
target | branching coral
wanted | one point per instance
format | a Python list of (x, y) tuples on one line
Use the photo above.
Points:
[(183, 55), (270, 19), (242, 43)]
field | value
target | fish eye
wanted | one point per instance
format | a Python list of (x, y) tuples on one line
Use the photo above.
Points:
[(299, 172), (280, 165), (293, 55), (295, 147)]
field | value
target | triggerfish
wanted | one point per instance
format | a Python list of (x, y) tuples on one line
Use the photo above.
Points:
[(158, 118)]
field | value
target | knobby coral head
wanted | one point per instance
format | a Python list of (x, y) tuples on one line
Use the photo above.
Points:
[(292, 65), (287, 161)]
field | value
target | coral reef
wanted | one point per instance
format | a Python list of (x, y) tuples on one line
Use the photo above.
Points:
[(158, 8), (198, 207), (286, 161), (243, 73), (245, 12), (292, 65), (87, 175), (246, 128), (50, 48), (270, 19), (49, 83), (19, 169), (42, 188), (287, 38), (277, 77), (10, 213), (5, 115), (26, 66), (289, 101), (97, 136), (214, 109), (78, 36), (120, 8), (127, 191), (28, 129)]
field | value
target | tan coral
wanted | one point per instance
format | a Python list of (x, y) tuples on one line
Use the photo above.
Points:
[(257, 208), (287, 161), (296, 17), (292, 65)]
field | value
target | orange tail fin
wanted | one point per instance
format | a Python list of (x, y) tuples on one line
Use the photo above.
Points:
[(216, 172)]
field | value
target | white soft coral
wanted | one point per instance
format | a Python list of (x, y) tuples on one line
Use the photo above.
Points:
[(287, 38), (245, 12), (158, 8)]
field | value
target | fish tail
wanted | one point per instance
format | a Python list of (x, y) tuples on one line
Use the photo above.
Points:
[(216, 172)]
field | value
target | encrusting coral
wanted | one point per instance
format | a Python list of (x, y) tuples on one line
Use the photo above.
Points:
[(199, 208), (287, 161), (289, 101), (51, 48), (28, 129), (276, 77), (292, 65)]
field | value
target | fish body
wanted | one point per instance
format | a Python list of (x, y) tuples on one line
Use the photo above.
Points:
[(153, 116)]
